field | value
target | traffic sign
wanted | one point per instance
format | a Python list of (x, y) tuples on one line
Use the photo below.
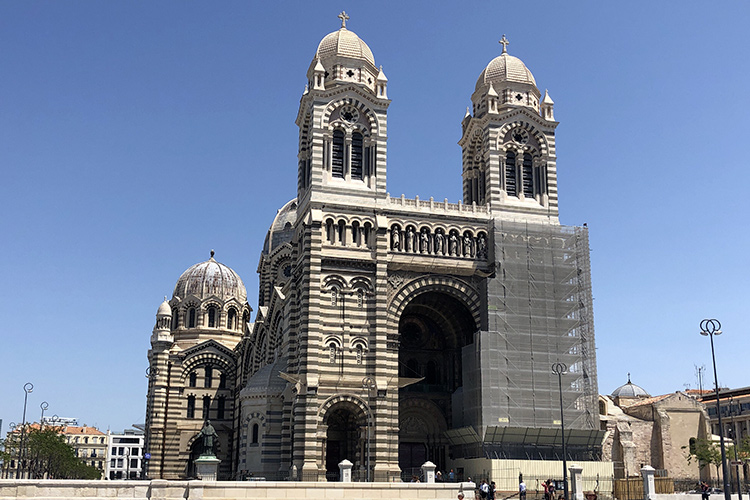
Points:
[(147, 455)]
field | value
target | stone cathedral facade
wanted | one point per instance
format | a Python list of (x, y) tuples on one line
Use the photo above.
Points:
[(389, 331)]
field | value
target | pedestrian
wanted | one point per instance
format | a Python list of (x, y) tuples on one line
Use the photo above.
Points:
[(484, 488), (452, 476), (705, 492), (521, 490), (491, 491), (551, 489)]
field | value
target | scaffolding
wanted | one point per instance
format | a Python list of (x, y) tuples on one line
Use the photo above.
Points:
[(538, 313)]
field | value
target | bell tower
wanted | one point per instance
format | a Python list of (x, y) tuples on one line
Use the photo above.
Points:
[(508, 144), (342, 122)]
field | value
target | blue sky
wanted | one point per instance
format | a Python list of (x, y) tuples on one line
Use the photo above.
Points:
[(137, 136)]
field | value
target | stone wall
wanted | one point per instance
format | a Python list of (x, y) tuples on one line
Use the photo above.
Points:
[(221, 490)]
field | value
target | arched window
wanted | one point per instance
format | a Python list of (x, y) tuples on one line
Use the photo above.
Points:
[(191, 407), (510, 173), (232, 319), (220, 405), (193, 379), (222, 380), (191, 317), (334, 296), (357, 156), (212, 317), (528, 176), (209, 377), (356, 233), (255, 434), (206, 406), (331, 352), (337, 154), (175, 319), (245, 319)]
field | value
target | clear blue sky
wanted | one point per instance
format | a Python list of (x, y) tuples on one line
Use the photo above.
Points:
[(137, 136)]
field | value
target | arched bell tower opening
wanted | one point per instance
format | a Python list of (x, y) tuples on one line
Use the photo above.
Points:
[(433, 330)]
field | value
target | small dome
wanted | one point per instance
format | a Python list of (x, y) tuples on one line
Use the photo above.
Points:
[(630, 390), (211, 278), (344, 43), (282, 227), (266, 381), (505, 68), (164, 309)]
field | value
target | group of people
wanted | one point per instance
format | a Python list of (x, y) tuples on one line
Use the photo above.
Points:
[(486, 490)]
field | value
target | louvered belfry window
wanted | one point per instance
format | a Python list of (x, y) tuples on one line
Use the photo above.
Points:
[(510, 173), (337, 154), (528, 176), (357, 156)]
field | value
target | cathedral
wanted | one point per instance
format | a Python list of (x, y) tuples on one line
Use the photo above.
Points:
[(389, 331)]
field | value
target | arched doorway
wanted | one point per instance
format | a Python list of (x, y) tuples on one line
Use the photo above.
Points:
[(433, 328), (344, 423)]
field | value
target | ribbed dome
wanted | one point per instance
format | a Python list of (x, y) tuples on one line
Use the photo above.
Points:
[(266, 381), (164, 309), (211, 278), (505, 68), (344, 43), (282, 227), (630, 390)]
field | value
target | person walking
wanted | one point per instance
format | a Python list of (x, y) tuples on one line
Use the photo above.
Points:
[(521, 490)]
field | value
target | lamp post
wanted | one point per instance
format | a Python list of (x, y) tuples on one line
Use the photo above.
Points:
[(368, 383), (44, 406), (27, 388), (11, 432), (734, 446), (558, 369), (709, 328)]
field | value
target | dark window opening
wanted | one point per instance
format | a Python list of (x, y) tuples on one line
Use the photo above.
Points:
[(337, 154), (357, 156), (255, 433), (510, 173), (193, 379), (222, 381), (528, 176), (191, 318), (220, 408), (191, 407), (209, 377), (212, 317), (206, 406)]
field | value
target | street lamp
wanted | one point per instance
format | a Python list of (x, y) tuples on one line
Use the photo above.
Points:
[(44, 406), (734, 446), (368, 383), (27, 388), (709, 328), (558, 369)]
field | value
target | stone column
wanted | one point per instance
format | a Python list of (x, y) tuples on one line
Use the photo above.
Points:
[(428, 472), (649, 485), (345, 471), (576, 485)]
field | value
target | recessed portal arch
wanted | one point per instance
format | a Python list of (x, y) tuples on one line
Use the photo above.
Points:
[(344, 423), (435, 323)]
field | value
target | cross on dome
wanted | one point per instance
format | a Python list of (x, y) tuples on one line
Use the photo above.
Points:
[(504, 42), (344, 17)]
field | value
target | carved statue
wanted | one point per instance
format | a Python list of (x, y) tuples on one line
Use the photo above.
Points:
[(467, 246), (453, 242), (410, 239), (208, 433), (425, 240), (395, 239), (439, 243), (482, 246)]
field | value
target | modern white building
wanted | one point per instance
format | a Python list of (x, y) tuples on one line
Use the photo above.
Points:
[(125, 455)]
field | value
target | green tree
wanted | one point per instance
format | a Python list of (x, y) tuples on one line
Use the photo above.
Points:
[(705, 451), (47, 455)]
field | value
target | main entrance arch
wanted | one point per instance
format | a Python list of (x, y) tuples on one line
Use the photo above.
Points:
[(435, 323), (345, 423)]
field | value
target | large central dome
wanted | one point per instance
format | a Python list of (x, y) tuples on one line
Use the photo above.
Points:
[(211, 278)]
